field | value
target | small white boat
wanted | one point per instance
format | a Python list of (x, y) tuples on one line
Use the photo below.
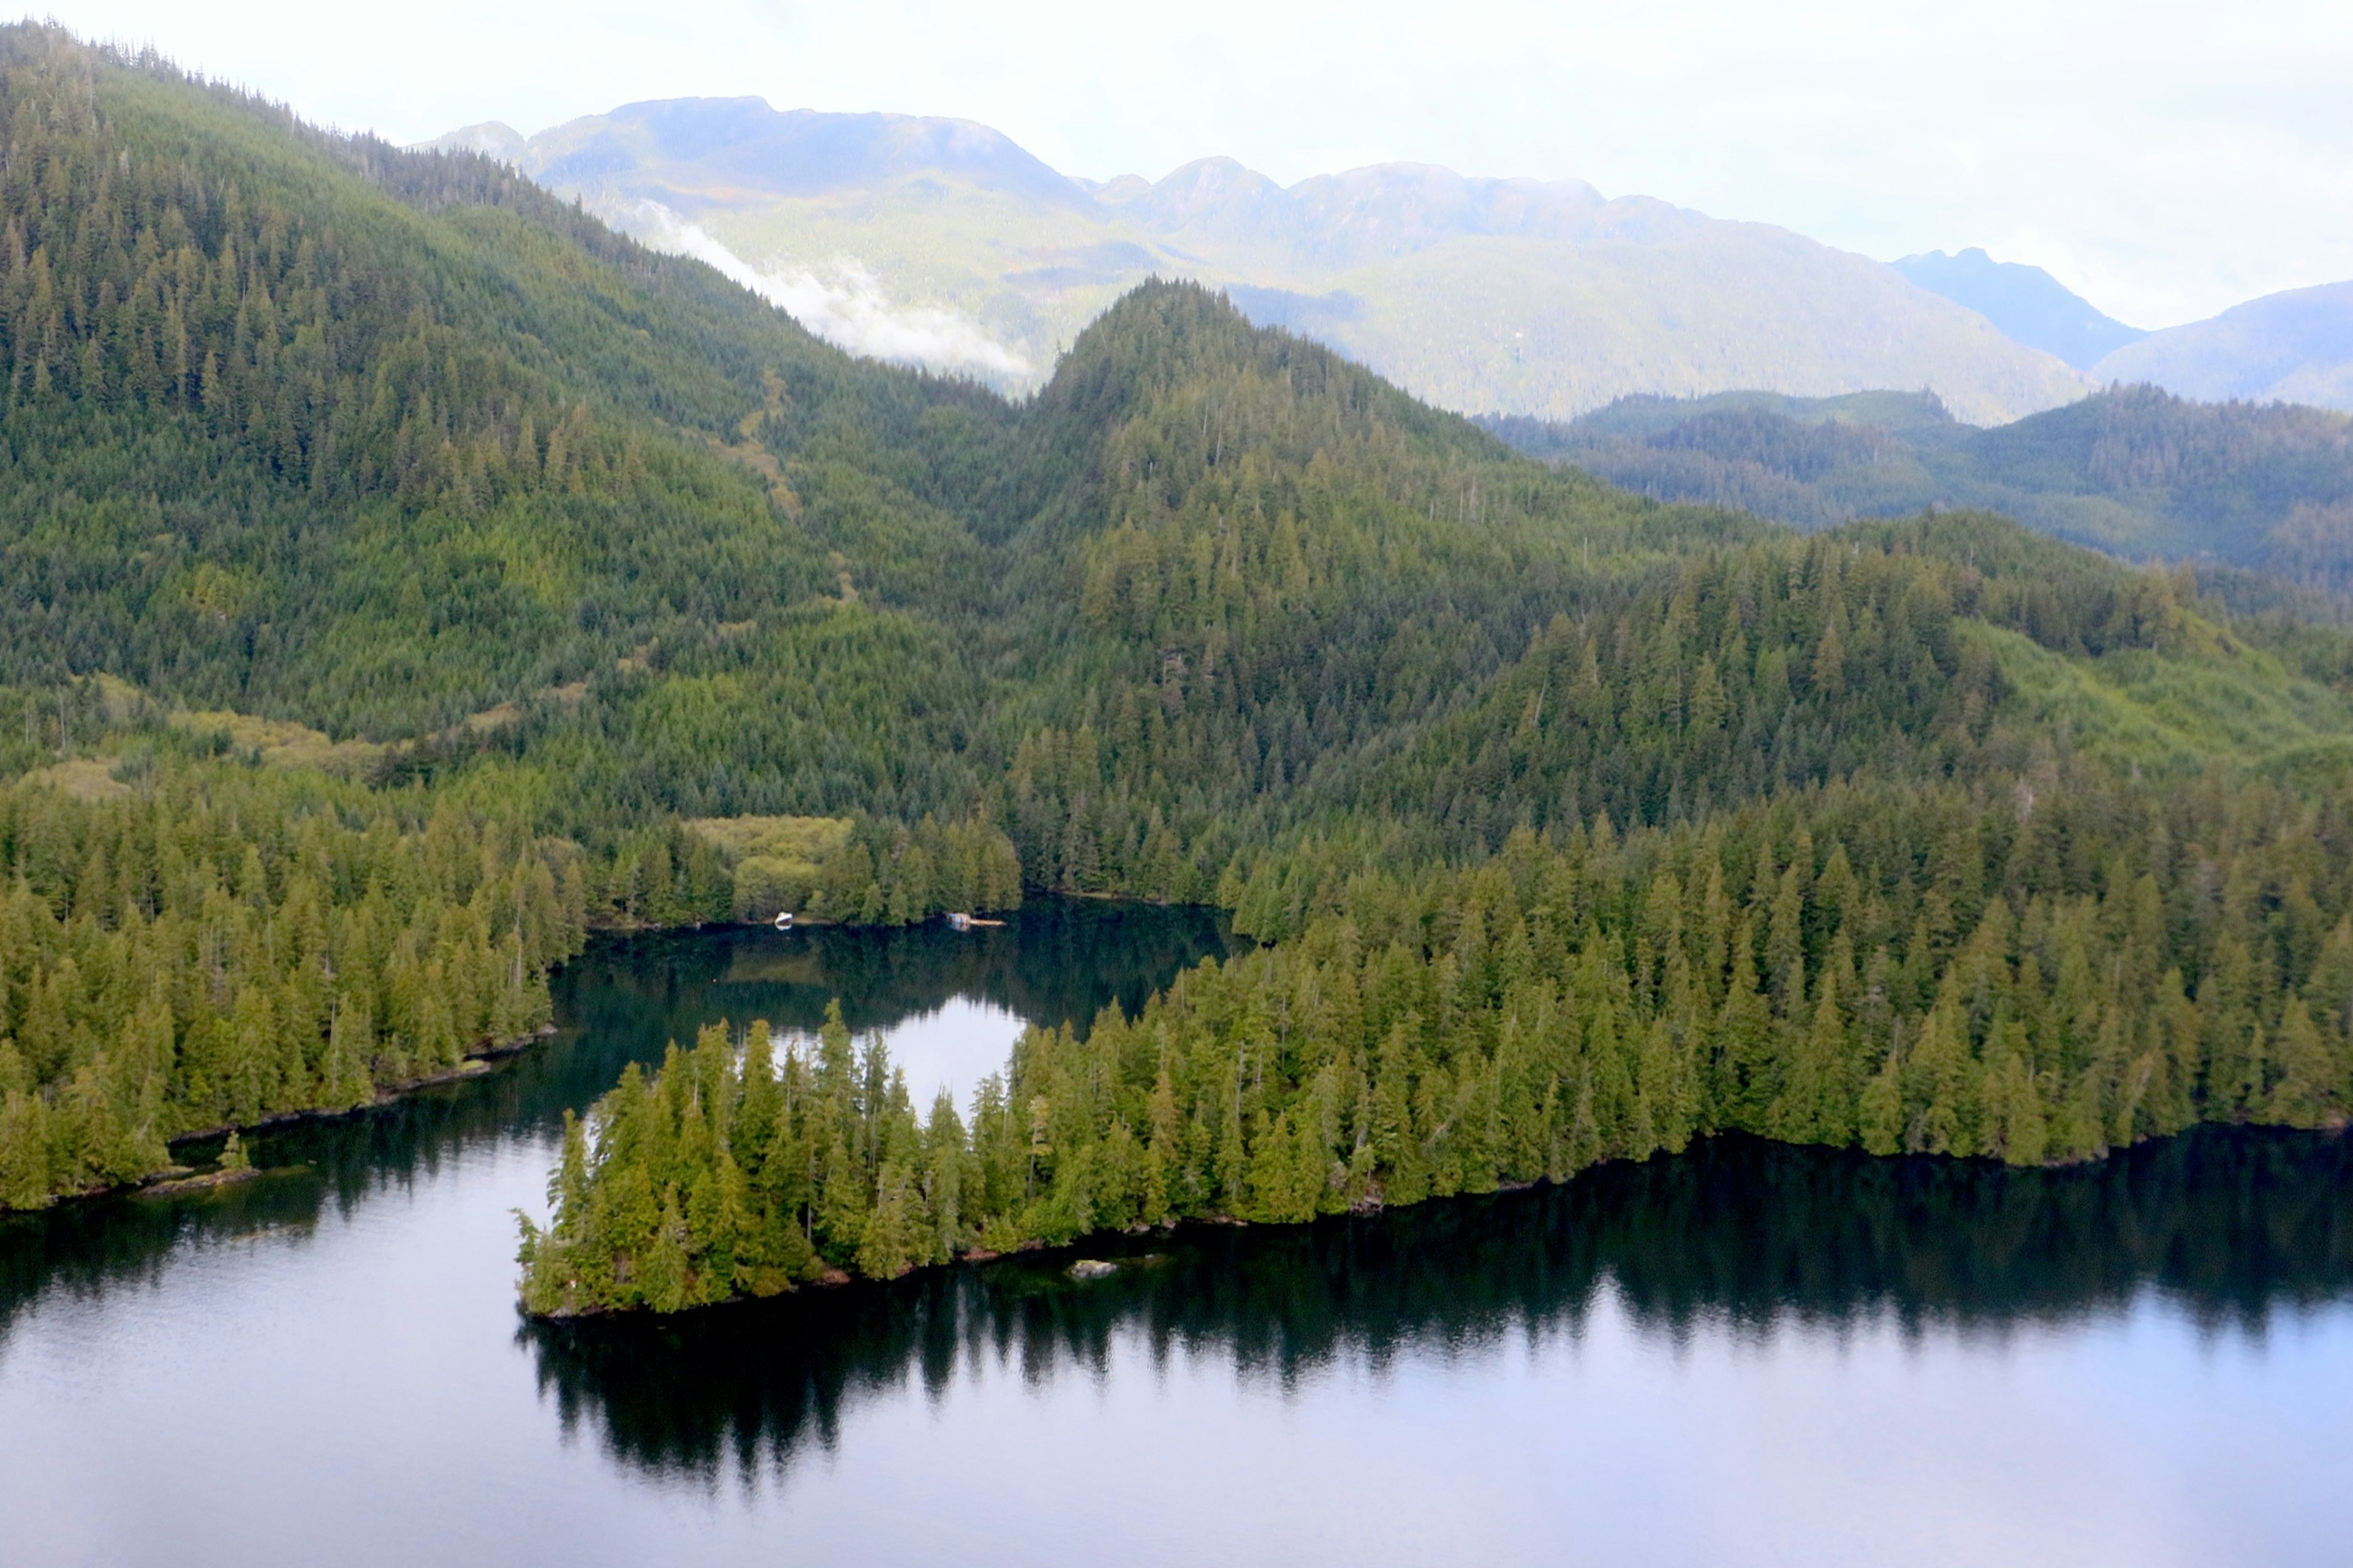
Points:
[(785, 919)]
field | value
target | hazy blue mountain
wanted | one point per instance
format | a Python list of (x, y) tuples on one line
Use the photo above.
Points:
[(2292, 347), (2026, 302), (944, 243)]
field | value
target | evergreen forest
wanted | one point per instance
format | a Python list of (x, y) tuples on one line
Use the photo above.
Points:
[(404, 577), (2259, 488)]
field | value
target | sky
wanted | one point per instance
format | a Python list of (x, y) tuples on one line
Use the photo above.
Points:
[(2167, 159)]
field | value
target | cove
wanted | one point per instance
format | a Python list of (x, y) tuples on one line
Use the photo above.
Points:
[(1745, 1355)]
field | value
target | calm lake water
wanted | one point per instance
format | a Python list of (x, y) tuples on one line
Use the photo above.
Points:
[(1744, 1356)]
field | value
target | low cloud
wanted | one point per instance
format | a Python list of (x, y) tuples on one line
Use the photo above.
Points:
[(845, 305)]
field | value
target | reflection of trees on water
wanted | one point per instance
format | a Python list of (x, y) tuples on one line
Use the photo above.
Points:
[(1053, 960), (308, 1169), (621, 1001), (2230, 1224)]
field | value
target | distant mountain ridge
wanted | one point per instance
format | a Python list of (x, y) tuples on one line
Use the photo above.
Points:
[(2026, 302), (2134, 471), (717, 150), (944, 243)]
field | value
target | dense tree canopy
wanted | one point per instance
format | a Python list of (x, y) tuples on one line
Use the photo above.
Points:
[(2036, 976), (2132, 469), (401, 576)]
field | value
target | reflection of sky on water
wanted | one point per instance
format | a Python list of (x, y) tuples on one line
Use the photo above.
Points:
[(358, 1395), (952, 1047), (2096, 1445)]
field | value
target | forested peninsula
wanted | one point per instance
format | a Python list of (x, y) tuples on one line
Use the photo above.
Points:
[(402, 577), (2033, 963)]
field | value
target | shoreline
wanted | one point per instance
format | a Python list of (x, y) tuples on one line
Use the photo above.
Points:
[(174, 1180), (473, 1063), (835, 1279)]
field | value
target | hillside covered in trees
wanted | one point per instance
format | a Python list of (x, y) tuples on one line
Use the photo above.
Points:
[(2133, 470), (1860, 898), (405, 576)]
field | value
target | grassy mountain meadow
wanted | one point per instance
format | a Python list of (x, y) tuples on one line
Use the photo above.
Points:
[(942, 242), (409, 576)]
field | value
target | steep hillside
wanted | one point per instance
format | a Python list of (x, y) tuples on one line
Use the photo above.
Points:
[(1246, 567), (940, 242), (325, 431), (2294, 347), (304, 434)]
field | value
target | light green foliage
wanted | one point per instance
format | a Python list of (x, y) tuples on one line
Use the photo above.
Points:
[(775, 860), (803, 840), (833, 868), (2176, 713)]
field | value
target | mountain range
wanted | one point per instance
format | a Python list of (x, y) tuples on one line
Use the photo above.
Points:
[(2296, 346), (942, 242)]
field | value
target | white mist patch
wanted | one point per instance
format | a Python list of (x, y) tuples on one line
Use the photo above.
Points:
[(845, 306)]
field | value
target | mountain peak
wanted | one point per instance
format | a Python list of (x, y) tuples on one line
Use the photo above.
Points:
[(491, 138), (2027, 303)]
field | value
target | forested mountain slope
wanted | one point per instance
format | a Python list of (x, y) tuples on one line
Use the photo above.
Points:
[(2134, 471), (1249, 567), (409, 576), (304, 429), (313, 427)]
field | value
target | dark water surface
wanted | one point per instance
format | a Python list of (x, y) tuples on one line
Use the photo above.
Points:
[(1744, 1356)]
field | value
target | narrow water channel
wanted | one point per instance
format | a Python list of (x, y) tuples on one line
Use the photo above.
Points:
[(1748, 1354)]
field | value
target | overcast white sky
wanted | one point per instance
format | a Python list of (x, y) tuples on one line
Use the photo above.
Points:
[(2166, 159)]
